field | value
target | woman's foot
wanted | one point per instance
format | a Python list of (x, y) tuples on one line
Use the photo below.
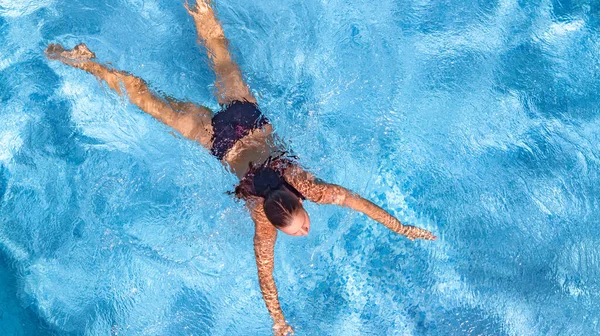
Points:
[(206, 23), (78, 54), (202, 7)]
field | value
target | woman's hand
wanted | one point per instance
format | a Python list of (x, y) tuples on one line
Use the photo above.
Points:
[(413, 232), (281, 328)]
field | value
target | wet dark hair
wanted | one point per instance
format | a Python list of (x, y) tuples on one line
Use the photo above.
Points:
[(280, 206), (281, 200)]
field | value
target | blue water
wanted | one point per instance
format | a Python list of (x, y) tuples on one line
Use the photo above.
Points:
[(478, 120)]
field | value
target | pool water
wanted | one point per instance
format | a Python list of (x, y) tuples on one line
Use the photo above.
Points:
[(478, 120)]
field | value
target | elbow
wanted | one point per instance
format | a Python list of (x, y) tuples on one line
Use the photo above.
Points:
[(340, 199), (333, 194), (343, 197)]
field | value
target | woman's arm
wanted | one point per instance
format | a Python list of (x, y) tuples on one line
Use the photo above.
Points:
[(264, 244), (325, 193)]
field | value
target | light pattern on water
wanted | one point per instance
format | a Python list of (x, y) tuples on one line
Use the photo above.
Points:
[(475, 119)]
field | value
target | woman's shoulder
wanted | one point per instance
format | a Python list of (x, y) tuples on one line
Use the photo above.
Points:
[(295, 172)]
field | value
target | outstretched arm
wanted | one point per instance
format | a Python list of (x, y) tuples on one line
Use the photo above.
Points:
[(325, 193), (264, 244)]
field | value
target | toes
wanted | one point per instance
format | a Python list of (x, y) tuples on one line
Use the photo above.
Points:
[(81, 51), (201, 7), (54, 50), (81, 47)]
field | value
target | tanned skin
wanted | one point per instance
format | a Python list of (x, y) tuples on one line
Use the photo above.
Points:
[(194, 122)]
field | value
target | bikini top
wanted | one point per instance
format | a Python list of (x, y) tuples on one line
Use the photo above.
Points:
[(263, 178)]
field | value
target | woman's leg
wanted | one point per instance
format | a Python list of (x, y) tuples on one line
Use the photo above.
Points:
[(192, 121), (230, 84)]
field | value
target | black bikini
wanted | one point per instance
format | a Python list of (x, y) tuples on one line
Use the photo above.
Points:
[(236, 121), (263, 178)]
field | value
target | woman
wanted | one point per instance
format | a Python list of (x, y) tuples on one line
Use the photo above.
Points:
[(272, 184)]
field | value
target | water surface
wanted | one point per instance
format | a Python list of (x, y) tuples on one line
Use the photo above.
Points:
[(477, 120)]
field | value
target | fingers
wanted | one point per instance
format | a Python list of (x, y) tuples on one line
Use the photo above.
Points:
[(282, 329), (288, 331), (418, 233), (426, 235)]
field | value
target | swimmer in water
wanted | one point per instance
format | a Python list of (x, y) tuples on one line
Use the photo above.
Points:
[(272, 184)]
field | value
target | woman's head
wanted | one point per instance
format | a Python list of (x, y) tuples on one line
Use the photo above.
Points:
[(284, 210)]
